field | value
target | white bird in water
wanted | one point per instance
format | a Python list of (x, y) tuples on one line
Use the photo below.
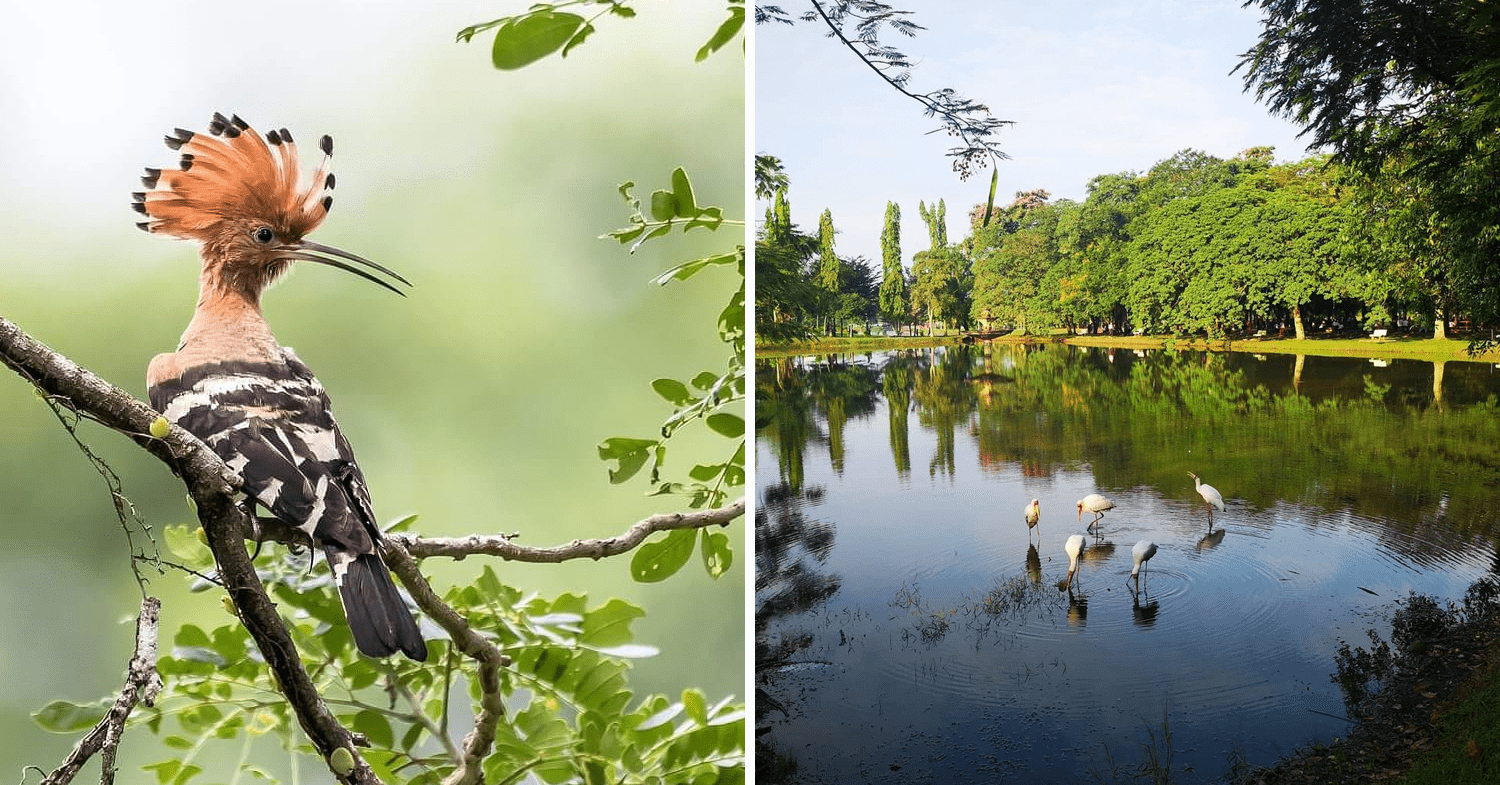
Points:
[(1211, 495), (1095, 504), (1033, 514), (1074, 548), (1140, 554)]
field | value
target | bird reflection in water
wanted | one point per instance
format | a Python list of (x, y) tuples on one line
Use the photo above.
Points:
[(1210, 540), (1100, 551), (1034, 564), (1078, 610), (1143, 615)]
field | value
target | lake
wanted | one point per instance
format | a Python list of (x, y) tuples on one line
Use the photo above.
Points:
[(910, 627)]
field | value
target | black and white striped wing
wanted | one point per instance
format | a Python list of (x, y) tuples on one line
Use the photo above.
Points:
[(272, 424)]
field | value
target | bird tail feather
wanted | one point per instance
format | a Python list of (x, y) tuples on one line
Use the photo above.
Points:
[(377, 614)]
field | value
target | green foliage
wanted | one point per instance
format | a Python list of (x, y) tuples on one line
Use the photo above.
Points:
[(828, 260), (570, 715), (523, 39), (708, 396), (1406, 93), (893, 298)]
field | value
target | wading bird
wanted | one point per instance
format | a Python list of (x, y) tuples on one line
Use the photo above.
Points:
[(1139, 555), (1211, 495), (232, 385), (1033, 514), (1074, 547), (1095, 504)]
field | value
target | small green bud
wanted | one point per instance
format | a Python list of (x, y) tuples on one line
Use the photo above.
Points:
[(229, 606), (159, 427), (342, 761)]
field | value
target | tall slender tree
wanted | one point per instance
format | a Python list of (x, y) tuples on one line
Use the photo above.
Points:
[(937, 223), (828, 260), (893, 294)]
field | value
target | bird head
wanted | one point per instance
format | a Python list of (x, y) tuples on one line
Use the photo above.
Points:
[(1194, 476), (239, 194)]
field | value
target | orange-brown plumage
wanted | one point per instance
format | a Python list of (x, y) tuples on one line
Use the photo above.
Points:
[(231, 175), (232, 385), (240, 195)]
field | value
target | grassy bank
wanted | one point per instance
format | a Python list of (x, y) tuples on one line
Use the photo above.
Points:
[(1427, 349), (1428, 702)]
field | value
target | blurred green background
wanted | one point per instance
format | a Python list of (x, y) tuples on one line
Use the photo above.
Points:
[(475, 403)]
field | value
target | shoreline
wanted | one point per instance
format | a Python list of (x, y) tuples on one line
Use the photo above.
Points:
[(1399, 348)]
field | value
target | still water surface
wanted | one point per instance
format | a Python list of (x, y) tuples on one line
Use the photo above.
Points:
[(911, 625)]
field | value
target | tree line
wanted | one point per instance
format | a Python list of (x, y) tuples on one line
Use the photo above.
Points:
[(1198, 245), (1396, 226)]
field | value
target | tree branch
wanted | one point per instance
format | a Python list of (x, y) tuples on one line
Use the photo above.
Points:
[(142, 683), (487, 655), (500, 545), (213, 488)]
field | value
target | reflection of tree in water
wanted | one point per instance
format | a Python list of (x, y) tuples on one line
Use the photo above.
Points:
[(790, 551), (794, 397), (896, 382), (783, 416), (1346, 438), (944, 401)]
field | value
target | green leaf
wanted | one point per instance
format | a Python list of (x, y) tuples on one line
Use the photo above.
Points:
[(402, 524), (663, 205), (376, 727), (630, 651), (726, 33), (705, 381), (696, 707), (467, 34), (660, 718), (687, 270), (682, 194), (630, 455), (577, 39), (704, 473), (183, 542), (674, 391), (726, 424), (658, 560), (609, 624), (62, 716), (718, 556), (526, 39)]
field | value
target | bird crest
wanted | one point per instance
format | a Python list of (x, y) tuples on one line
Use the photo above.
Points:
[(234, 173), (240, 195)]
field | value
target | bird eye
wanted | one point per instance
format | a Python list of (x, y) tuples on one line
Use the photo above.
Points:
[(263, 235)]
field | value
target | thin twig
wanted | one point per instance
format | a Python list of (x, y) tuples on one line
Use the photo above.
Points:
[(142, 683)]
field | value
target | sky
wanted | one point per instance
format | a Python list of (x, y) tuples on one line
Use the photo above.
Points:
[(1093, 88)]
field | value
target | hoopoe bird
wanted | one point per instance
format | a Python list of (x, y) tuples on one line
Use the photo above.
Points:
[(232, 385)]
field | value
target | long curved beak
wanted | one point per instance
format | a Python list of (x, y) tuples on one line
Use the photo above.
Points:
[(309, 251)]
